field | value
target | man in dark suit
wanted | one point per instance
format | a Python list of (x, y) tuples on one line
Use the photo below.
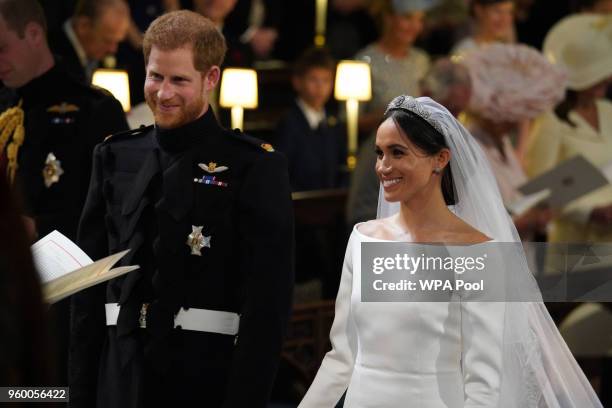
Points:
[(312, 139), (50, 125), (207, 215), (91, 34), (252, 24), (249, 35)]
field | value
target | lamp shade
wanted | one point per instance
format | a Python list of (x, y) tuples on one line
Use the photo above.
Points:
[(116, 82), (239, 88), (353, 81)]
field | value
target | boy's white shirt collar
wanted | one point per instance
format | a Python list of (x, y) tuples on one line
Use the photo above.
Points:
[(313, 117)]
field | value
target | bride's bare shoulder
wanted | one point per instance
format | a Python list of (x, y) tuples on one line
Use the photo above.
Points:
[(378, 229), (466, 234), (472, 237)]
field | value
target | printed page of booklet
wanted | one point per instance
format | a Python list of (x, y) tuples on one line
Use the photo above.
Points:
[(64, 268)]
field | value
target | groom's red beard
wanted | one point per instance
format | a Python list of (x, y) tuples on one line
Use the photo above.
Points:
[(174, 112)]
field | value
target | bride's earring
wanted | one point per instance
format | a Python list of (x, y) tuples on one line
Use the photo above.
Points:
[(437, 170)]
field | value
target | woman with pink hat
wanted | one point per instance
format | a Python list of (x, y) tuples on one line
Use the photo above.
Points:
[(511, 85)]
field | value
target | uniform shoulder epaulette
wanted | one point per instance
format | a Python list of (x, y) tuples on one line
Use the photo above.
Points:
[(252, 140), (128, 133), (99, 90)]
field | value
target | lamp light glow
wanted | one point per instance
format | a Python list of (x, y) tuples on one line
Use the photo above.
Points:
[(353, 84), (238, 92), (115, 81)]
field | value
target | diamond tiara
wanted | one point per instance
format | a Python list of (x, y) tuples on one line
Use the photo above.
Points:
[(408, 103)]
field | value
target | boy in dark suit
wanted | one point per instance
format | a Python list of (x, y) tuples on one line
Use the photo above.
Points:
[(309, 137)]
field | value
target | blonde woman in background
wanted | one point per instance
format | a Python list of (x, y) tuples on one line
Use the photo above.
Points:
[(396, 65), (493, 22)]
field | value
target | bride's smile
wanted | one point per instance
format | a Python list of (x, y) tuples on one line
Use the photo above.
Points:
[(405, 170)]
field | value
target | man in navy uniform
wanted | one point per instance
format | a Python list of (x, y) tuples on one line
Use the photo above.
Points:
[(62, 121), (207, 215), (49, 125)]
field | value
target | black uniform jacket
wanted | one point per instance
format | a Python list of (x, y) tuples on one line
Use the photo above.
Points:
[(149, 190), (67, 119)]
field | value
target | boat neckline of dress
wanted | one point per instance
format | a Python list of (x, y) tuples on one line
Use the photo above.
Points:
[(356, 229)]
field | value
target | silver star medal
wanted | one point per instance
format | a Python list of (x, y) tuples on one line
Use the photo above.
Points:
[(52, 170), (196, 240)]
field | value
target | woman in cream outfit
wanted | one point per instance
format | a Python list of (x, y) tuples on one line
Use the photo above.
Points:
[(581, 125), (438, 187)]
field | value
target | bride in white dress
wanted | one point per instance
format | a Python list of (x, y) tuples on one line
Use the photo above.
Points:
[(437, 187)]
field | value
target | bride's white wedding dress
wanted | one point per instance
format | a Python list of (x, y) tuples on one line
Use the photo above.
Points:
[(408, 354), (466, 353)]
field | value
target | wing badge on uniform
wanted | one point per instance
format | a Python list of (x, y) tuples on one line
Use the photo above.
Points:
[(62, 108), (52, 170), (212, 167), (197, 241)]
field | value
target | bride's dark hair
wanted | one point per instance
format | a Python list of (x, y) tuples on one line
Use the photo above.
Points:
[(428, 140)]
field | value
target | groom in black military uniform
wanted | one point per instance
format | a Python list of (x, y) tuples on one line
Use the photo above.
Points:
[(207, 215)]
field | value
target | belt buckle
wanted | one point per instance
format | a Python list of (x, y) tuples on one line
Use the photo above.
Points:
[(142, 320)]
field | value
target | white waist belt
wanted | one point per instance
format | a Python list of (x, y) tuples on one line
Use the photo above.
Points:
[(203, 320)]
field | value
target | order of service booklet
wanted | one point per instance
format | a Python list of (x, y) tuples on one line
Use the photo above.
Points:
[(64, 268), (557, 187)]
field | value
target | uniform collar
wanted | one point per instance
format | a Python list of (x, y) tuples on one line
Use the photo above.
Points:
[(41, 86), (179, 139)]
